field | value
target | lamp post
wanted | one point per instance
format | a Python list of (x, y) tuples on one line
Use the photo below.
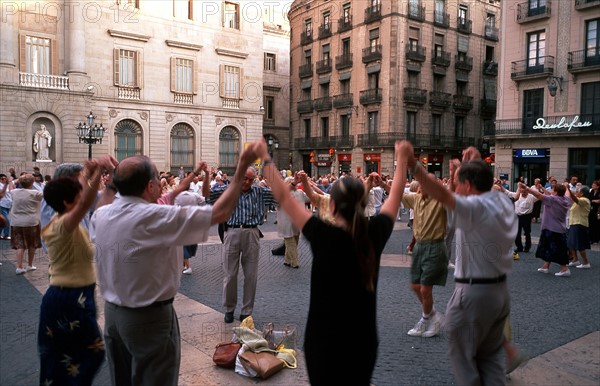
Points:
[(90, 133), (272, 143)]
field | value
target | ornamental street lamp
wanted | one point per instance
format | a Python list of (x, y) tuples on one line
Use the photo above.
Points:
[(90, 133)]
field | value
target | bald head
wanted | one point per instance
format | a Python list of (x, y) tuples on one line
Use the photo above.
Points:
[(133, 174)]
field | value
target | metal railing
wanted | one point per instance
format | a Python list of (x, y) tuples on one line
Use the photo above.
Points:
[(526, 13), (345, 23), (491, 32), (343, 61), (415, 52), (532, 68), (440, 99), (463, 25), (306, 37), (440, 58), (324, 66), (343, 100), (373, 95), (490, 68), (583, 4), (441, 19), (305, 70), (462, 102), (584, 60), (322, 104), (415, 95), (416, 12), (325, 31), (373, 13), (372, 53), (304, 106), (463, 63)]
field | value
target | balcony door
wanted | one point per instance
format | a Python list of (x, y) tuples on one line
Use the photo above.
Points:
[(536, 51), (533, 108), (592, 42), (590, 103)]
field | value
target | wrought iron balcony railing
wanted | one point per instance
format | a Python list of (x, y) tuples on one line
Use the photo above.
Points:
[(372, 53), (373, 13), (343, 61), (527, 12), (463, 25), (532, 68), (415, 52)]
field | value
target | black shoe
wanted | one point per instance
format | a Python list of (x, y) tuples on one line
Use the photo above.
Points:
[(518, 250), (287, 265), (242, 317), (228, 317)]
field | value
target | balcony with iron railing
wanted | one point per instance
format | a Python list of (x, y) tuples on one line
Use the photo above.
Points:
[(583, 124), (370, 96), (372, 53), (325, 31), (345, 23), (373, 13), (305, 70), (343, 100), (526, 12), (464, 63), (488, 107), (324, 66), (53, 82), (490, 67), (464, 25), (533, 68), (304, 106), (463, 102), (440, 99), (306, 37), (415, 95), (586, 4), (416, 12), (415, 52), (584, 60), (387, 140), (440, 58), (305, 143), (341, 141), (441, 19), (377, 139), (322, 104), (491, 32), (343, 61)]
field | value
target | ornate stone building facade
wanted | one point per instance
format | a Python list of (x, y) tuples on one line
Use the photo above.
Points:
[(365, 73), (549, 110), (177, 80)]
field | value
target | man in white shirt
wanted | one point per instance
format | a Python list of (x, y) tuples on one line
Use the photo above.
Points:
[(523, 209), (139, 257)]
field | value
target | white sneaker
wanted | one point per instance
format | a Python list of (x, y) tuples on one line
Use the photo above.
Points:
[(419, 328), (450, 265), (30, 268), (543, 270), (566, 273), (188, 271), (20, 271), (574, 264), (584, 266), (435, 325)]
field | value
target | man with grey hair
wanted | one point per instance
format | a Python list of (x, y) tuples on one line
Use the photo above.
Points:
[(241, 242)]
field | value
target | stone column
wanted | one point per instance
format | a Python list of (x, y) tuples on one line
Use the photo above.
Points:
[(75, 57), (8, 43)]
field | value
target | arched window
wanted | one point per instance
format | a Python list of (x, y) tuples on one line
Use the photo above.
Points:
[(128, 139), (182, 147), (229, 149)]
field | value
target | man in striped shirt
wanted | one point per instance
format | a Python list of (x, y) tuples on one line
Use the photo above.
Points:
[(241, 243)]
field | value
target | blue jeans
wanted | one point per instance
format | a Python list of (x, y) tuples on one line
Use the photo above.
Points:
[(6, 230)]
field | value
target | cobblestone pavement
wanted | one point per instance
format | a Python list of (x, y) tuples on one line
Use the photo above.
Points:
[(547, 313)]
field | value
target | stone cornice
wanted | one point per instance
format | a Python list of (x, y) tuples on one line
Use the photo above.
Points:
[(187, 46), (235, 54), (128, 35)]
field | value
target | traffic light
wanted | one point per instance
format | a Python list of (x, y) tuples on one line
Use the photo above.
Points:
[(331, 151), (424, 162)]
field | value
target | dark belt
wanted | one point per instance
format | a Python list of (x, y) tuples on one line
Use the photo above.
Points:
[(153, 305), (498, 279), (242, 226)]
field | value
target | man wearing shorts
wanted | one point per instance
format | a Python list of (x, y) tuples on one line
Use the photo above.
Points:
[(429, 265)]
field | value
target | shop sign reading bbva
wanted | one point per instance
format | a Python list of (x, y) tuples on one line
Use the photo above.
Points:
[(530, 153), (540, 124)]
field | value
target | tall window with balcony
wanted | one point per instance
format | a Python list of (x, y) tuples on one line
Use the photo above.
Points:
[(229, 149), (345, 125), (182, 80), (128, 139), (324, 127), (590, 103), (439, 14), (127, 73), (308, 28), (183, 9), (231, 15), (436, 129), (491, 31), (307, 128), (373, 125), (374, 40), (533, 108), (308, 56), (231, 86), (536, 7), (182, 146), (270, 63), (414, 9), (459, 130), (463, 15), (592, 42), (413, 40), (38, 63), (536, 51), (346, 14), (411, 126), (327, 23), (439, 83)]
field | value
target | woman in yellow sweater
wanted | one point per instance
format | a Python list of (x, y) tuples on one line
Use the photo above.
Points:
[(70, 342)]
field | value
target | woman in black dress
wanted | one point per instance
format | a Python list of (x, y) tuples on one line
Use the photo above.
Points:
[(594, 219), (342, 317)]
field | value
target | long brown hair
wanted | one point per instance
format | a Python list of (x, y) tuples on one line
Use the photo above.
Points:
[(350, 199)]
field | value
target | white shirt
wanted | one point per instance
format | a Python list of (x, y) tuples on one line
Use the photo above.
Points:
[(486, 227), (6, 201), (139, 251), (524, 205)]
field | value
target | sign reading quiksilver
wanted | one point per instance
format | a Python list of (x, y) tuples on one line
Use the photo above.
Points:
[(540, 124), (530, 153)]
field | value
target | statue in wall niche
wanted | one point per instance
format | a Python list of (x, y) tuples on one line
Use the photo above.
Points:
[(42, 141)]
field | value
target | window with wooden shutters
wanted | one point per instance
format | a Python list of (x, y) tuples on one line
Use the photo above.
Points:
[(127, 72), (182, 75), (183, 9), (231, 15)]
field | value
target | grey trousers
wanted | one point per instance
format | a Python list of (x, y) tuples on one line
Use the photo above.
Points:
[(142, 345), (475, 318), (241, 246)]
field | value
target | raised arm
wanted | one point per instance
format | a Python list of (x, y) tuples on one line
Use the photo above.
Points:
[(572, 196), (295, 210), (430, 185), (206, 183), (536, 193), (404, 150), (228, 200), (308, 188)]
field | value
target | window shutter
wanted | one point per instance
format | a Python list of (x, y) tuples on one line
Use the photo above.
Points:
[(139, 65), (191, 9), (54, 57), (173, 74), (194, 77), (222, 81), (463, 44), (241, 91), (116, 66), (22, 53)]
